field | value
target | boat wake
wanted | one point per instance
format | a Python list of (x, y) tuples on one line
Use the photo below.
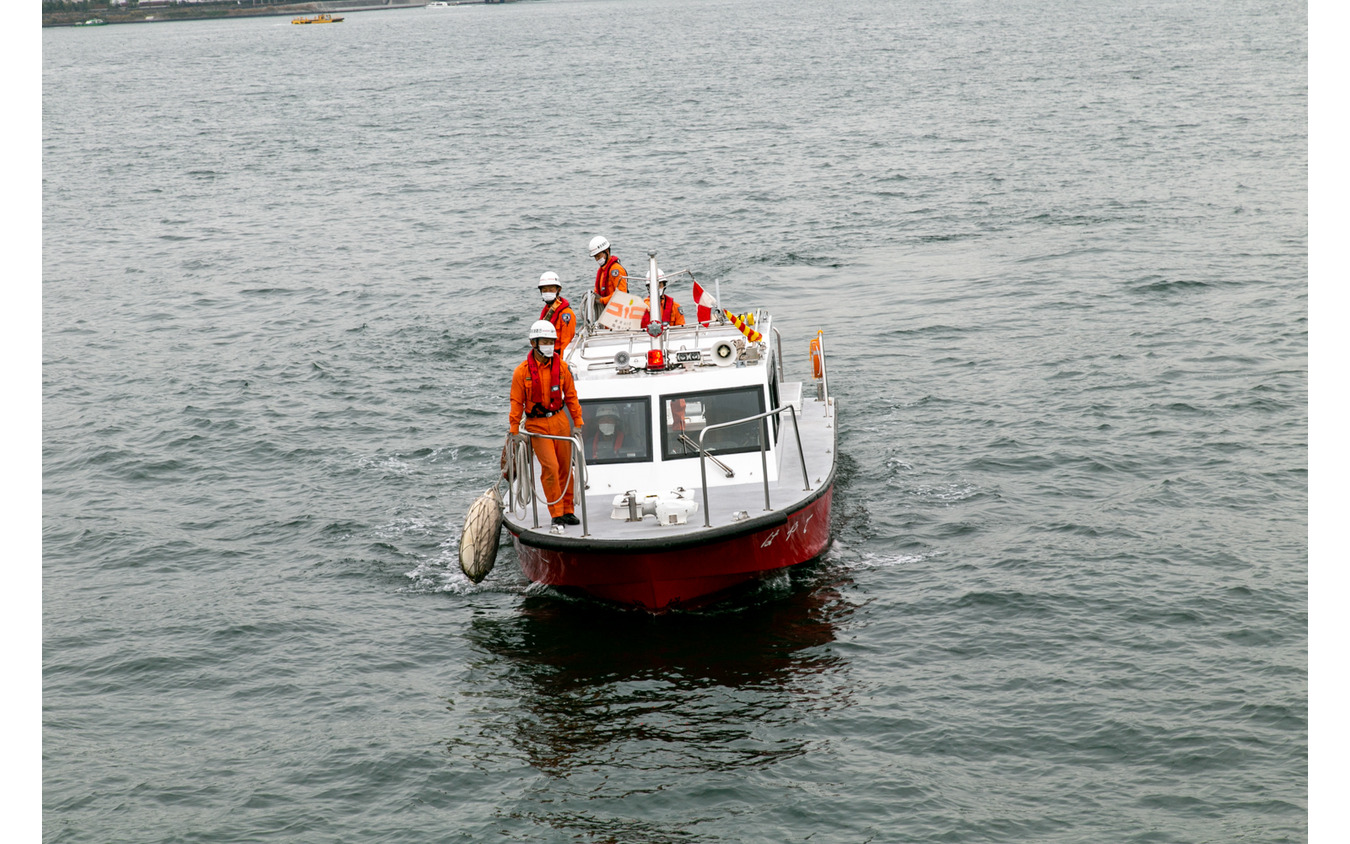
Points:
[(868, 560), (441, 572)]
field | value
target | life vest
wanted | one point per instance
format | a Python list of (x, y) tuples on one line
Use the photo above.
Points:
[(553, 311), (536, 401), (595, 444), (602, 285), (667, 312)]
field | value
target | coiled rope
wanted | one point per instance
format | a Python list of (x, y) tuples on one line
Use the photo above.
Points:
[(520, 473)]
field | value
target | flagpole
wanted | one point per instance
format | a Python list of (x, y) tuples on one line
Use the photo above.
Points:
[(658, 336)]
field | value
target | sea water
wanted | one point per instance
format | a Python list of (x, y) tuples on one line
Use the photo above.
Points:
[(1060, 254)]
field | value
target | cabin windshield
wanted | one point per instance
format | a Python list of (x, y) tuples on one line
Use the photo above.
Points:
[(616, 430), (687, 414)]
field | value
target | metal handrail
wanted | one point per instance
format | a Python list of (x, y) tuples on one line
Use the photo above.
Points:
[(579, 471), (731, 473), (763, 453), (595, 361)]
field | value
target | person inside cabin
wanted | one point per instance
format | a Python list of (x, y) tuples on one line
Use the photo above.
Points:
[(557, 310), (607, 441), (540, 389), (671, 313), (610, 276), (675, 427)]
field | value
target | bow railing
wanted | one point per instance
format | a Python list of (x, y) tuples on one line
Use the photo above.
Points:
[(520, 475), (763, 453)]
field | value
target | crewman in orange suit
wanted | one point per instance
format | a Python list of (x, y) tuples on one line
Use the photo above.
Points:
[(610, 277), (541, 387), (557, 310), (671, 313)]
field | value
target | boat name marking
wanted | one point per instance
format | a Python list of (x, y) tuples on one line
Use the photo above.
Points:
[(768, 541)]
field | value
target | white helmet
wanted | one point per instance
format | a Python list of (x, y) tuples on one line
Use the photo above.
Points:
[(598, 245), (549, 278), (543, 330)]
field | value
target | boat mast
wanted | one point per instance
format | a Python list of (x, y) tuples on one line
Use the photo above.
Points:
[(655, 328)]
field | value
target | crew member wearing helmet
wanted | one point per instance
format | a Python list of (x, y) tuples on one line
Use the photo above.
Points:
[(610, 277), (540, 387), (557, 310), (671, 313), (608, 438)]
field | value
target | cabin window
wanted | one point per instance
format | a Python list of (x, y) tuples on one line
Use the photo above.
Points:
[(684, 417), (617, 430)]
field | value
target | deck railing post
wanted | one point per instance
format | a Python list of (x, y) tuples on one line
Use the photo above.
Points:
[(703, 474), (529, 477), (579, 469), (764, 456), (801, 455), (508, 468), (578, 475)]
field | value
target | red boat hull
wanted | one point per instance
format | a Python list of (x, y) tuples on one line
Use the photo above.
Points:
[(686, 573)]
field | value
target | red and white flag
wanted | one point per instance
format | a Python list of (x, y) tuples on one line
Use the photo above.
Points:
[(705, 302)]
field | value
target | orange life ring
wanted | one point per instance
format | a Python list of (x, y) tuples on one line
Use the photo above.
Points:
[(817, 365)]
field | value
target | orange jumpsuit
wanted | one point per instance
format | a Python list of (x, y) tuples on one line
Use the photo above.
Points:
[(671, 313), (559, 312), (554, 456), (610, 277)]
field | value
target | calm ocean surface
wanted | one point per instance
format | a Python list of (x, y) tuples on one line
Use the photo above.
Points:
[(1060, 252)]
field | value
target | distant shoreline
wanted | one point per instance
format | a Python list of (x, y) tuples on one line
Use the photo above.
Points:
[(207, 11)]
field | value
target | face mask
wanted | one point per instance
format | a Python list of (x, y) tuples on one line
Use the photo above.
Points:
[(546, 349), (607, 428), (549, 296)]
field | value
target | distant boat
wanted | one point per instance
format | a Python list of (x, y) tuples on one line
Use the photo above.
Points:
[(93, 22), (317, 19), (438, 4)]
